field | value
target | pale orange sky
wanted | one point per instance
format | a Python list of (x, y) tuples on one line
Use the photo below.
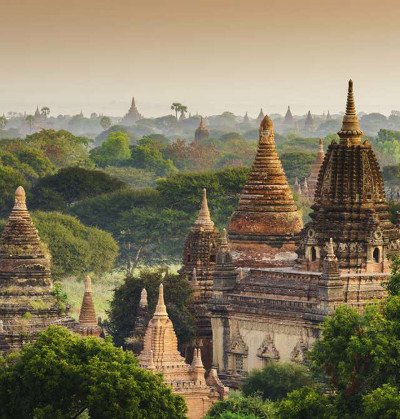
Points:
[(212, 55)]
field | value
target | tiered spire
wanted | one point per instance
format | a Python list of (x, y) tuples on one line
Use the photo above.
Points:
[(161, 309), (204, 218), (309, 122), (288, 120), (266, 212), (87, 316)]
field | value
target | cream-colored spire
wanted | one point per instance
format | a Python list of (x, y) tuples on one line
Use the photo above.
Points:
[(330, 255), (88, 284), (143, 298), (1, 326), (199, 361), (350, 130), (20, 199), (204, 217), (161, 309), (194, 360)]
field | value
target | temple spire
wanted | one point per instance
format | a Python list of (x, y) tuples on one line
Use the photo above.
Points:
[(87, 314), (204, 217), (20, 199), (350, 130), (161, 309)]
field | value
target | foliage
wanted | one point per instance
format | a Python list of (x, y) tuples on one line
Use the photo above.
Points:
[(297, 164), (135, 178), (113, 151), (105, 122), (393, 282), (177, 291), (245, 407), (276, 380), (62, 374), (71, 184), (61, 147), (383, 403), (10, 179), (306, 403), (75, 248)]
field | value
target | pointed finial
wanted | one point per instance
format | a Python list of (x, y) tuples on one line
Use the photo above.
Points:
[(194, 360), (224, 238), (88, 284), (204, 217), (161, 309), (199, 362), (20, 199), (350, 131), (143, 298), (330, 248), (321, 144)]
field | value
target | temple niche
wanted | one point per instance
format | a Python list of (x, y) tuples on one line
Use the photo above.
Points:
[(160, 354), (269, 312)]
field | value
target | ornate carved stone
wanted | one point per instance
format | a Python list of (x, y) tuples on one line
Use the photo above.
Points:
[(268, 350)]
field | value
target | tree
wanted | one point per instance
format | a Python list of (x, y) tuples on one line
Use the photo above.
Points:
[(3, 122), (176, 106), (242, 407), (62, 375), (30, 119), (178, 294), (275, 380), (75, 248), (383, 403), (113, 151), (105, 122), (297, 164), (10, 179), (45, 111), (69, 185), (393, 282)]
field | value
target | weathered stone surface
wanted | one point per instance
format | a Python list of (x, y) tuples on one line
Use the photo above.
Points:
[(263, 228)]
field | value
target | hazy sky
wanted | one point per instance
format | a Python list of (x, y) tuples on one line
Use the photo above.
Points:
[(212, 55)]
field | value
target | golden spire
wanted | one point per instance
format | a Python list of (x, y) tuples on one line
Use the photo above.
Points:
[(204, 218), (350, 127), (161, 309)]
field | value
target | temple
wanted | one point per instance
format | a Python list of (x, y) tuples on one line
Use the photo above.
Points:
[(288, 123), (199, 258), (28, 303), (132, 116), (263, 228), (309, 125), (260, 116), (201, 132), (267, 313), (160, 354)]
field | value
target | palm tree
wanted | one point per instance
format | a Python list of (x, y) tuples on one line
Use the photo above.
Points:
[(45, 111), (176, 106), (183, 110)]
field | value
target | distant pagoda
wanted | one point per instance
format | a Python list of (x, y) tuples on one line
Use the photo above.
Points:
[(260, 117), (309, 125), (350, 205), (27, 300), (88, 322), (132, 116), (160, 354), (246, 118), (264, 226), (313, 178), (201, 132), (288, 120)]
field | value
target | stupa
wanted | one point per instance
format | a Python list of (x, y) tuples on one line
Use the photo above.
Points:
[(88, 322), (309, 125), (199, 257), (28, 303), (132, 116), (201, 132), (263, 228), (160, 354)]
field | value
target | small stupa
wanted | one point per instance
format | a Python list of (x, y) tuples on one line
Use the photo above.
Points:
[(201, 132), (88, 323)]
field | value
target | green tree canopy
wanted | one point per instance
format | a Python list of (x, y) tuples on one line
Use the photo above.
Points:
[(276, 380), (297, 164), (113, 151), (178, 294), (62, 375), (72, 184)]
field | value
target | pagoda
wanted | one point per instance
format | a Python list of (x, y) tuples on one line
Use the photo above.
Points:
[(309, 125), (132, 116), (160, 354), (201, 132), (246, 119), (260, 117), (350, 205), (28, 303), (199, 258), (313, 177), (88, 323), (263, 228)]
